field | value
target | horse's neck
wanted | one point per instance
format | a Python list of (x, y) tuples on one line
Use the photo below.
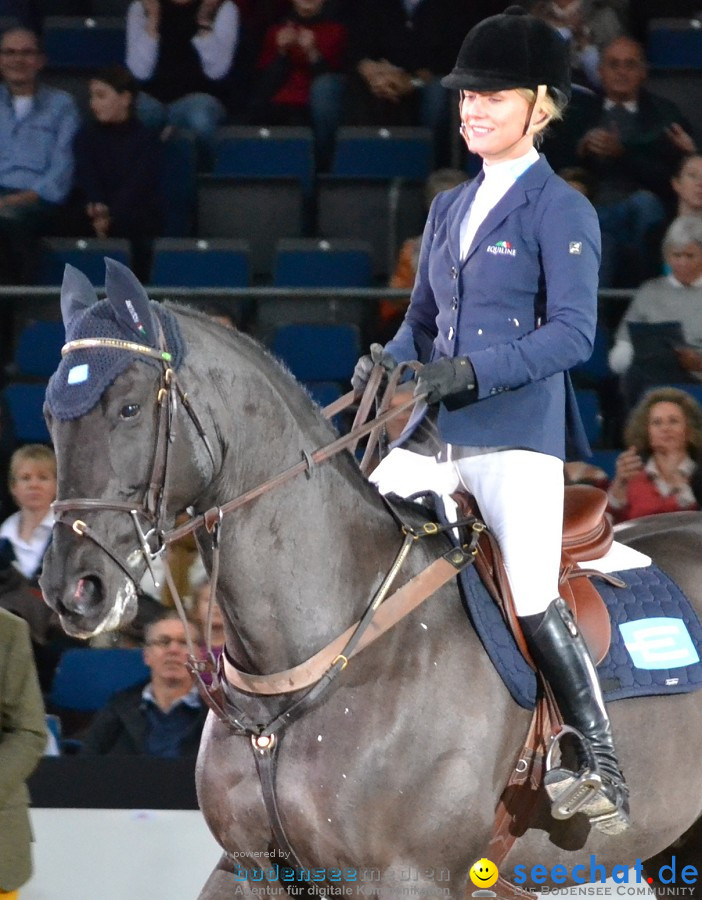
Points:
[(299, 563), (300, 566)]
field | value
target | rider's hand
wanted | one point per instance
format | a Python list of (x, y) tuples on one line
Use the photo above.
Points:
[(447, 378), (377, 356)]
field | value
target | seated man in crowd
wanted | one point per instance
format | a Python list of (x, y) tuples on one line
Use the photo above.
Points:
[(631, 141), (162, 718), (37, 126)]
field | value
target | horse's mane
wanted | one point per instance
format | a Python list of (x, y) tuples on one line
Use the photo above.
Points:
[(253, 351), (307, 411)]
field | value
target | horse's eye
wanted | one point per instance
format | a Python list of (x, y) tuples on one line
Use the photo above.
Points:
[(129, 411)]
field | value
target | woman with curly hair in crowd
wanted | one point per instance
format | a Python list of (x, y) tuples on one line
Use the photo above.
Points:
[(659, 472)]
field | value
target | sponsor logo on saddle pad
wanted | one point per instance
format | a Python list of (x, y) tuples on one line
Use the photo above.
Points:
[(659, 643)]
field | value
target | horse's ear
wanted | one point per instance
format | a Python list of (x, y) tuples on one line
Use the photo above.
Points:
[(130, 302), (77, 294)]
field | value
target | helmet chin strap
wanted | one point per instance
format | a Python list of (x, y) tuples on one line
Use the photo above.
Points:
[(539, 96)]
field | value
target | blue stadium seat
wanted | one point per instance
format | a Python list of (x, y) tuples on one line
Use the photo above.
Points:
[(595, 371), (78, 43), (252, 152), (179, 184), (38, 349), (201, 262), (86, 254), (605, 459), (383, 153), (315, 352), (589, 406), (86, 679), (674, 43), (258, 210), (310, 262), (25, 404), (381, 211)]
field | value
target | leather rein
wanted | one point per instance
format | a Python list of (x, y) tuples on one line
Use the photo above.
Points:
[(153, 539), (315, 675)]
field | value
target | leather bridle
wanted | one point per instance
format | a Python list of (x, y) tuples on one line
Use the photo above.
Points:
[(154, 539), (151, 509)]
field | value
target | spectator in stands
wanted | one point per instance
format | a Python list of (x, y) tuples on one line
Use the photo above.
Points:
[(118, 168), (687, 187), (676, 297), (22, 743), (24, 537), (32, 480), (687, 184), (632, 141), (182, 51), (161, 718), (659, 471), (37, 126), (397, 52), (588, 25), (299, 73), (391, 312)]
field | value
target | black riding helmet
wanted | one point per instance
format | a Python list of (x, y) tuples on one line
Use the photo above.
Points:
[(512, 50)]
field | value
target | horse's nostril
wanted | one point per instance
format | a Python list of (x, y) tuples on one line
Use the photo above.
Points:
[(87, 594)]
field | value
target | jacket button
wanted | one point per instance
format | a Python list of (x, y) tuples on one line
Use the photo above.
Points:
[(454, 302), (451, 333), (454, 272)]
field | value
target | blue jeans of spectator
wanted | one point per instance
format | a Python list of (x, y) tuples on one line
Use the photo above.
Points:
[(20, 227), (200, 113), (625, 225), (326, 103)]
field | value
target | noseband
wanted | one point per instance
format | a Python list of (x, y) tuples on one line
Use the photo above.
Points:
[(152, 508)]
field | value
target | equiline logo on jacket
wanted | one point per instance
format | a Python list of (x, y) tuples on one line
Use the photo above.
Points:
[(502, 248)]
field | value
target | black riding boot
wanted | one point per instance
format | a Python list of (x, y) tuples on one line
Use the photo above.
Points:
[(598, 790)]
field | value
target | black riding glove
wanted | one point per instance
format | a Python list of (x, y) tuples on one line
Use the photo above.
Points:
[(449, 379), (364, 367)]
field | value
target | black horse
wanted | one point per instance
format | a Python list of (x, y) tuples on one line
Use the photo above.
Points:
[(399, 767)]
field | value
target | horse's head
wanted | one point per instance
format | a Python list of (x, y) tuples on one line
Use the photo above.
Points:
[(111, 413)]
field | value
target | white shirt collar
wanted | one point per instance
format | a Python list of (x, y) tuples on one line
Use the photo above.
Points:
[(510, 169), (674, 281), (631, 106)]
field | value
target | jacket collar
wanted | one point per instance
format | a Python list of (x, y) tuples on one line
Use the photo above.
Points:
[(533, 179)]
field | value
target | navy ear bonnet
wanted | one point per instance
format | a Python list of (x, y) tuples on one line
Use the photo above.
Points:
[(128, 315)]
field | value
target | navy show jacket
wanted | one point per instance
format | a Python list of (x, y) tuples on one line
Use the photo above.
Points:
[(522, 306)]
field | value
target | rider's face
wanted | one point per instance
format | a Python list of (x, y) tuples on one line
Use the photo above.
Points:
[(492, 124)]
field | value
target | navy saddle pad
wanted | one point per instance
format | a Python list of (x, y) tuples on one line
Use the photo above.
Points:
[(656, 636)]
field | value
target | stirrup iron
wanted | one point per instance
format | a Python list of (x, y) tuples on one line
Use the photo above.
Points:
[(576, 790)]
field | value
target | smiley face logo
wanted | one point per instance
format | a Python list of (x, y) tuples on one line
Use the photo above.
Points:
[(483, 873)]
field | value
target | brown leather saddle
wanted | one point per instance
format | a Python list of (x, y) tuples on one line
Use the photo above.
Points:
[(587, 535)]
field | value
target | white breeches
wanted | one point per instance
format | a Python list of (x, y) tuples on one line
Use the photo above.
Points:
[(520, 495)]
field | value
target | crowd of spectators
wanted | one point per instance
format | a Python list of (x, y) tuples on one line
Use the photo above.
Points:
[(200, 64)]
